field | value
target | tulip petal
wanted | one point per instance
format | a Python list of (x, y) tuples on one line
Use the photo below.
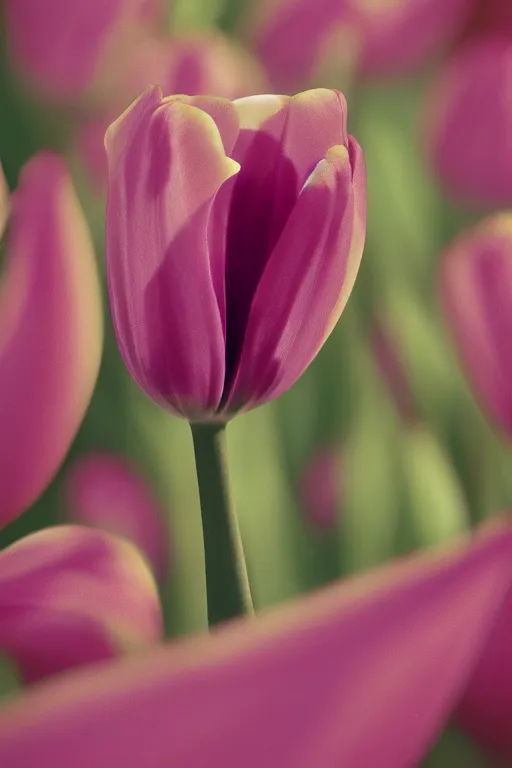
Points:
[(70, 596), (4, 202), (59, 44), (363, 674), (475, 284), (275, 162), (50, 332), (485, 710), (165, 167), (307, 281), (104, 491)]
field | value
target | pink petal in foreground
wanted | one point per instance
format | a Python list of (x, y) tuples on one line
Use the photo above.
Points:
[(70, 596), (50, 332), (104, 491), (361, 674), (485, 710), (475, 285)]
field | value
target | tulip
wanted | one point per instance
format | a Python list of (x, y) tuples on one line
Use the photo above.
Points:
[(361, 674), (264, 198), (68, 595), (63, 47), (105, 491), (320, 488), (187, 64), (485, 710), (50, 331), (475, 284), (387, 38), (473, 157)]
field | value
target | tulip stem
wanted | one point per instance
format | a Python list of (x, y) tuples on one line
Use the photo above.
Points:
[(227, 585)]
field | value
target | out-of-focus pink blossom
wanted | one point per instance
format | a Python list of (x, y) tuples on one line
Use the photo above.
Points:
[(387, 357), (50, 331), (389, 37), (188, 64), (468, 123), (321, 488), (361, 674), (234, 235), (105, 491), (485, 710), (64, 47), (475, 286), (70, 596)]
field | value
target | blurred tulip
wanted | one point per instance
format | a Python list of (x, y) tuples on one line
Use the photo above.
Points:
[(105, 491), (361, 674), (65, 48), (389, 37), (320, 488), (392, 371), (70, 596), (485, 710), (234, 236), (475, 287), (187, 64), (473, 157), (50, 332)]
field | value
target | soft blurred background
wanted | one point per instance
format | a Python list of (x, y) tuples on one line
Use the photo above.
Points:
[(382, 447)]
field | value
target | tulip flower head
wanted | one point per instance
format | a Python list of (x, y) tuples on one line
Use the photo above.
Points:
[(234, 236), (475, 286)]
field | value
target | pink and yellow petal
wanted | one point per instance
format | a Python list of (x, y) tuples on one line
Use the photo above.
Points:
[(302, 685), (70, 596), (166, 167), (305, 284), (50, 332)]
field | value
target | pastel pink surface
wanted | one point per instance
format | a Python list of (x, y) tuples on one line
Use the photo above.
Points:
[(50, 331), (105, 491), (468, 123), (364, 673), (475, 281), (485, 710), (70, 596)]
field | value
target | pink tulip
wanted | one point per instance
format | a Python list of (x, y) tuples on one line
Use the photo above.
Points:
[(320, 488), (234, 236), (360, 674), (70, 596), (105, 491), (50, 332), (475, 286), (64, 47), (188, 64), (468, 123), (485, 710), (387, 37)]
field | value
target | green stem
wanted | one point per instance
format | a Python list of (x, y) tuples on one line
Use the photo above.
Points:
[(227, 586)]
